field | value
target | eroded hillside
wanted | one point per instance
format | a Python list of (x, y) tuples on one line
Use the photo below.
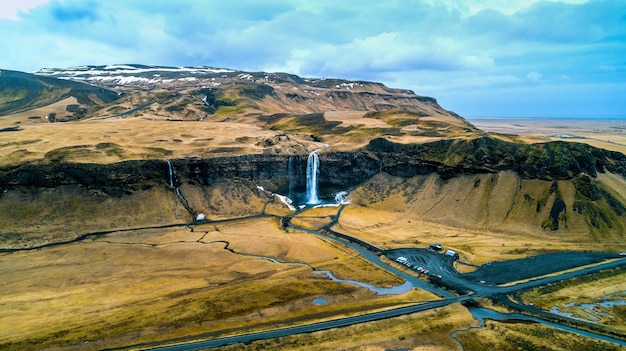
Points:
[(234, 139)]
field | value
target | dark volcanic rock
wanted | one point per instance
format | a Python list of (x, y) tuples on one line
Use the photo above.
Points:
[(448, 158), (554, 160), (114, 179)]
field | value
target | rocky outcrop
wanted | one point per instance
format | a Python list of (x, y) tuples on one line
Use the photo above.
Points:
[(115, 179), (547, 161), (448, 158), (482, 183)]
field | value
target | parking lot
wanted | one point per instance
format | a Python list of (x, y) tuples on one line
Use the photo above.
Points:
[(439, 265), (425, 261)]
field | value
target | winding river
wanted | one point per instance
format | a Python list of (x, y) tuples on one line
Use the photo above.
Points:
[(400, 289), (481, 314), (395, 290), (412, 282)]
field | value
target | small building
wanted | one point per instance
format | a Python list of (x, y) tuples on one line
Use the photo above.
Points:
[(435, 246), (452, 254)]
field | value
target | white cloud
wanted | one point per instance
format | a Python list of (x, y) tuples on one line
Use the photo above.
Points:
[(10, 9), (508, 7), (441, 48), (534, 76), (384, 53)]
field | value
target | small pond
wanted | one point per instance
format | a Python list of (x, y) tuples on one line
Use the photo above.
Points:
[(319, 301)]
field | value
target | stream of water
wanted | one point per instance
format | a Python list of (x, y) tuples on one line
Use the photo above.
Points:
[(178, 193), (590, 310), (482, 313), (400, 289)]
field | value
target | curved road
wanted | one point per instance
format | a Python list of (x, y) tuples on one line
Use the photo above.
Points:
[(442, 267), (344, 322), (338, 323)]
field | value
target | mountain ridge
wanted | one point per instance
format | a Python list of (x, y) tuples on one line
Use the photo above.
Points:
[(22, 91), (243, 91), (226, 132)]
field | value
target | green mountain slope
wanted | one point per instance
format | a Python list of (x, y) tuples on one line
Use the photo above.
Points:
[(21, 91)]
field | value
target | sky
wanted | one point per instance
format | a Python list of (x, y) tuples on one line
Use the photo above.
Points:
[(479, 58)]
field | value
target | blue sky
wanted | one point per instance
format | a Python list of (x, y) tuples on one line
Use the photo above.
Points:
[(510, 58)]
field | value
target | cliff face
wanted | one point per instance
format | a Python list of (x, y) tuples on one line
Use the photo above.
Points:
[(263, 125), (547, 161), (482, 183), (114, 179), (448, 158)]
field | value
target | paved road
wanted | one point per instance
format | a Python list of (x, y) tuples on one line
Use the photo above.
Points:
[(438, 265), (338, 323), (478, 290)]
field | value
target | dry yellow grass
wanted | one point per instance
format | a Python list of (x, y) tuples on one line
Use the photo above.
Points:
[(589, 291), (354, 119), (139, 286), (137, 139), (594, 289), (424, 331), (32, 217), (615, 182), (23, 117), (299, 247), (394, 229), (520, 336), (501, 211), (150, 135)]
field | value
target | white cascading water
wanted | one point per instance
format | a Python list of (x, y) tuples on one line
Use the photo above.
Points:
[(312, 172), (169, 165), (180, 196)]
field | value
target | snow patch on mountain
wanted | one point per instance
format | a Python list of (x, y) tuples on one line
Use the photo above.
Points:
[(125, 70)]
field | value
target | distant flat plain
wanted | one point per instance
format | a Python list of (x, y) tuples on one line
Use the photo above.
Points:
[(606, 133)]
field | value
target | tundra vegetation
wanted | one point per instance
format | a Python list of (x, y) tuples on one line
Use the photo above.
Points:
[(100, 247)]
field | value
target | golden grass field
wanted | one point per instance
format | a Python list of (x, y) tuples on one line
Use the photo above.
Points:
[(132, 139), (424, 331), (608, 286), (394, 222), (137, 286), (140, 286), (149, 135), (38, 217), (520, 336), (395, 230)]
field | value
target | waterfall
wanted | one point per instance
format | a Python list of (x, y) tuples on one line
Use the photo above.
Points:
[(180, 196), (312, 171), (169, 166)]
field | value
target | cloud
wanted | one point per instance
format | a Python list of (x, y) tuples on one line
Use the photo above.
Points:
[(12, 9), (508, 7), (444, 48), (534, 76), (384, 53)]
